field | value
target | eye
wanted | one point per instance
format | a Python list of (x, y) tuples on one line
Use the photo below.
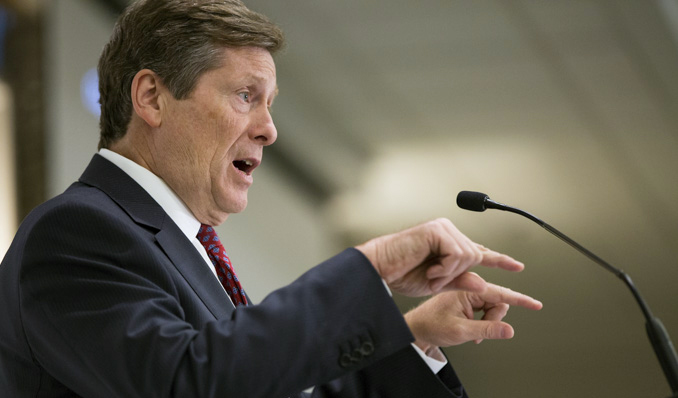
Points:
[(245, 96)]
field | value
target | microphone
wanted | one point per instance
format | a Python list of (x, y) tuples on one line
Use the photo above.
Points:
[(477, 201), (659, 338)]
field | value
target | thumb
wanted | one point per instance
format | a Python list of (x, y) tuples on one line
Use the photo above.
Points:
[(478, 330)]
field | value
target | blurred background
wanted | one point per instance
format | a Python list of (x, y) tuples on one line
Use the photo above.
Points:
[(567, 109)]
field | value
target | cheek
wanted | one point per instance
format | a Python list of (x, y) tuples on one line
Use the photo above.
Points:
[(224, 143), (219, 173)]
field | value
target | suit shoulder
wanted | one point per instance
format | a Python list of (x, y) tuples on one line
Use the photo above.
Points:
[(77, 204)]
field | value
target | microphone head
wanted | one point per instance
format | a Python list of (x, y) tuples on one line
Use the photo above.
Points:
[(474, 201)]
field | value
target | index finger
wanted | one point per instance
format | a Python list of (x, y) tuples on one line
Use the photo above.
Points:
[(493, 259), (499, 294)]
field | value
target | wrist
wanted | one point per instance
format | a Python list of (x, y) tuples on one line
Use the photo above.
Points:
[(369, 250), (423, 345)]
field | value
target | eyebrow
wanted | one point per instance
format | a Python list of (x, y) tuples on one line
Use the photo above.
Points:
[(274, 96), (260, 80)]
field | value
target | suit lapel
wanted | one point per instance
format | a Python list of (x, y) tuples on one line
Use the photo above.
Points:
[(141, 207), (194, 270)]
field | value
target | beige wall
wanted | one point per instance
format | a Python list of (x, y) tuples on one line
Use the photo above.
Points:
[(7, 172)]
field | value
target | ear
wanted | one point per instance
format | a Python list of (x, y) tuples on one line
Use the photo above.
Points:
[(146, 92)]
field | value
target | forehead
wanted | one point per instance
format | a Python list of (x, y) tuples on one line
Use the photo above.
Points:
[(248, 62)]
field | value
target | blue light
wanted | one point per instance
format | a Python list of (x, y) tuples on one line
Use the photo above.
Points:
[(5, 25), (89, 92)]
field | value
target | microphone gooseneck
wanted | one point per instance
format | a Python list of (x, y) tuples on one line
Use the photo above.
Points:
[(659, 338)]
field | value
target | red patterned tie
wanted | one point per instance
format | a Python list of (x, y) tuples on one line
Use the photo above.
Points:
[(215, 251)]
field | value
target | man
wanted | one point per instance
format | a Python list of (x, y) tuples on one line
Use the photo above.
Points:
[(109, 290)]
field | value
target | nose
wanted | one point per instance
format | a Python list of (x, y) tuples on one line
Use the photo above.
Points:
[(264, 130)]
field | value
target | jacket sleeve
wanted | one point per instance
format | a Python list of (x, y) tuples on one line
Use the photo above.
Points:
[(102, 315), (399, 375)]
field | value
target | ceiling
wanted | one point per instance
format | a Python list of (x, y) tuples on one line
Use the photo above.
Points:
[(567, 109)]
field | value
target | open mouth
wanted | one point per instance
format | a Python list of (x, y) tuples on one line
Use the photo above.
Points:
[(245, 165)]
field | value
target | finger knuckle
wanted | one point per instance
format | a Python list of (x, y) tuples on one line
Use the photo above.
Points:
[(489, 331), (478, 257), (458, 251), (442, 221), (437, 225)]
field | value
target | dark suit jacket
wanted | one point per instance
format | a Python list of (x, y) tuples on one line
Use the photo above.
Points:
[(101, 295)]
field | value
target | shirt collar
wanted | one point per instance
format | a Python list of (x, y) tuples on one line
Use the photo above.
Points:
[(159, 191)]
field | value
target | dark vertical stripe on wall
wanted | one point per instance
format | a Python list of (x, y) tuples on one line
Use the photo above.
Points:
[(23, 71)]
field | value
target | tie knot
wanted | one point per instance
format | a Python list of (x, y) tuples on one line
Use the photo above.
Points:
[(207, 234)]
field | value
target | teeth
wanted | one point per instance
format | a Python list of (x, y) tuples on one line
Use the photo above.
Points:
[(247, 162)]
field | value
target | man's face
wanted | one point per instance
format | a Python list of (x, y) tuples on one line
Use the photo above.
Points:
[(212, 141)]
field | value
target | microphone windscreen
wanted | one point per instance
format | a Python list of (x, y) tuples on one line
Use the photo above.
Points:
[(469, 200)]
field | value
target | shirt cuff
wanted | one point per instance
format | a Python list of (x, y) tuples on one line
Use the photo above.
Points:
[(435, 365), (387, 288)]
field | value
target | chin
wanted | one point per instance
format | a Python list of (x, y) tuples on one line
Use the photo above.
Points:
[(233, 205), (226, 198)]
